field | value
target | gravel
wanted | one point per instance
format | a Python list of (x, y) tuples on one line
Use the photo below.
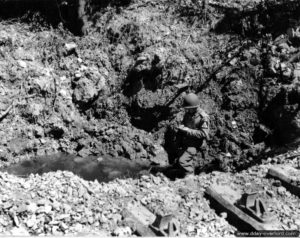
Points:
[(61, 203)]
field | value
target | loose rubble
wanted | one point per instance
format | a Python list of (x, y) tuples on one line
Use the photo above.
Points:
[(61, 203)]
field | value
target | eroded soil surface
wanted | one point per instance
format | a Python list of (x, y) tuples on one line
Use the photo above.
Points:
[(117, 92)]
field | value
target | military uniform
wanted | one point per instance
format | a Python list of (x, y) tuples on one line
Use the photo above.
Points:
[(194, 133)]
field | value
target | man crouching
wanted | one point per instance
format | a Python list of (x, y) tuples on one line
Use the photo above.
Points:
[(193, 133), (187, 143)]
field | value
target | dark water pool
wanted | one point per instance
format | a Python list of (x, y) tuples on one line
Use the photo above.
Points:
[(103, 169)]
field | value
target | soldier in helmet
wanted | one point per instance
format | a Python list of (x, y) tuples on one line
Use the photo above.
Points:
[(194, 131), (188, 144)]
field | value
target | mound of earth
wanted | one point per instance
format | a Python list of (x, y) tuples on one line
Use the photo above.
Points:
[(118, 90)]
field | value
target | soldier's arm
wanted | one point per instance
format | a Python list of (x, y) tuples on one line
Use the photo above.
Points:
[(201, 133)]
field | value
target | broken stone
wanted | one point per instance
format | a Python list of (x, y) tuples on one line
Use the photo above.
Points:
[(7, 205), (3, 221), (156, 180), (47, 208), (121, 191), (42, 202), (228, 154), (122, 231), (127, 149), (293, 33), (281, 190), (55, 230), (284, 46), (277, 183), (103, 219), (190, 229), (287, 72), (224, 215), (70, 47), (140, 213), (67, 208), (56, 205), (90, 220), (63, 216), (233, 61), (297, 222), (145, 184), (297, 73), (84, 152), (116, 218), (35, 109), (85, 91), (22, 63), (21, 208), (31, 221), (15, 220), (161, 156), (270, 193), (19, 231), (78, 75), (63, 226)]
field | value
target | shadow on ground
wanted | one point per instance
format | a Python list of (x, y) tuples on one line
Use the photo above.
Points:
[(103, 169)]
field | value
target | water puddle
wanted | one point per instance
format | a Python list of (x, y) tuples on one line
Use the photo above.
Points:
[(103, 169)]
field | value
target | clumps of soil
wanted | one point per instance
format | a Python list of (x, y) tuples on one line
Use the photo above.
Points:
[(235, 98), (255, 18), (118, 90), (62, 97)]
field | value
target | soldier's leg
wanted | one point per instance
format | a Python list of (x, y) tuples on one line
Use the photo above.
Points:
[(186, 161), (201, 161), (171, 171)]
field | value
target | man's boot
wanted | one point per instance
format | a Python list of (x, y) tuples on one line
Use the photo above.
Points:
[(159, 169), (170, 171), (174, 173)]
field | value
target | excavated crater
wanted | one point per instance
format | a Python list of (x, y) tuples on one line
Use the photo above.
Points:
[(118, 91)]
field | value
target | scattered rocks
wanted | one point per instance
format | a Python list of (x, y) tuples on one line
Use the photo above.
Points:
[(270, 193), (22, 63), (71, 212), (32, 207), (277, 183), (19, 231), (31, 222), (281, 190), (70, 48), (122, 231)]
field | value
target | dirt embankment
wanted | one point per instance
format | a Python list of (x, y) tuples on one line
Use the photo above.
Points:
[(116, 90)]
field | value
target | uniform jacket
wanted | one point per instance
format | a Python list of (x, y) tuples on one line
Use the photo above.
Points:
[(197, 129)]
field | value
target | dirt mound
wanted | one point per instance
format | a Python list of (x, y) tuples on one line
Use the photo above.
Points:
[(53, 91), (118, 90)]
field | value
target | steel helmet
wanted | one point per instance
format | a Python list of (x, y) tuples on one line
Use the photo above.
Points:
[(191, 100)]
